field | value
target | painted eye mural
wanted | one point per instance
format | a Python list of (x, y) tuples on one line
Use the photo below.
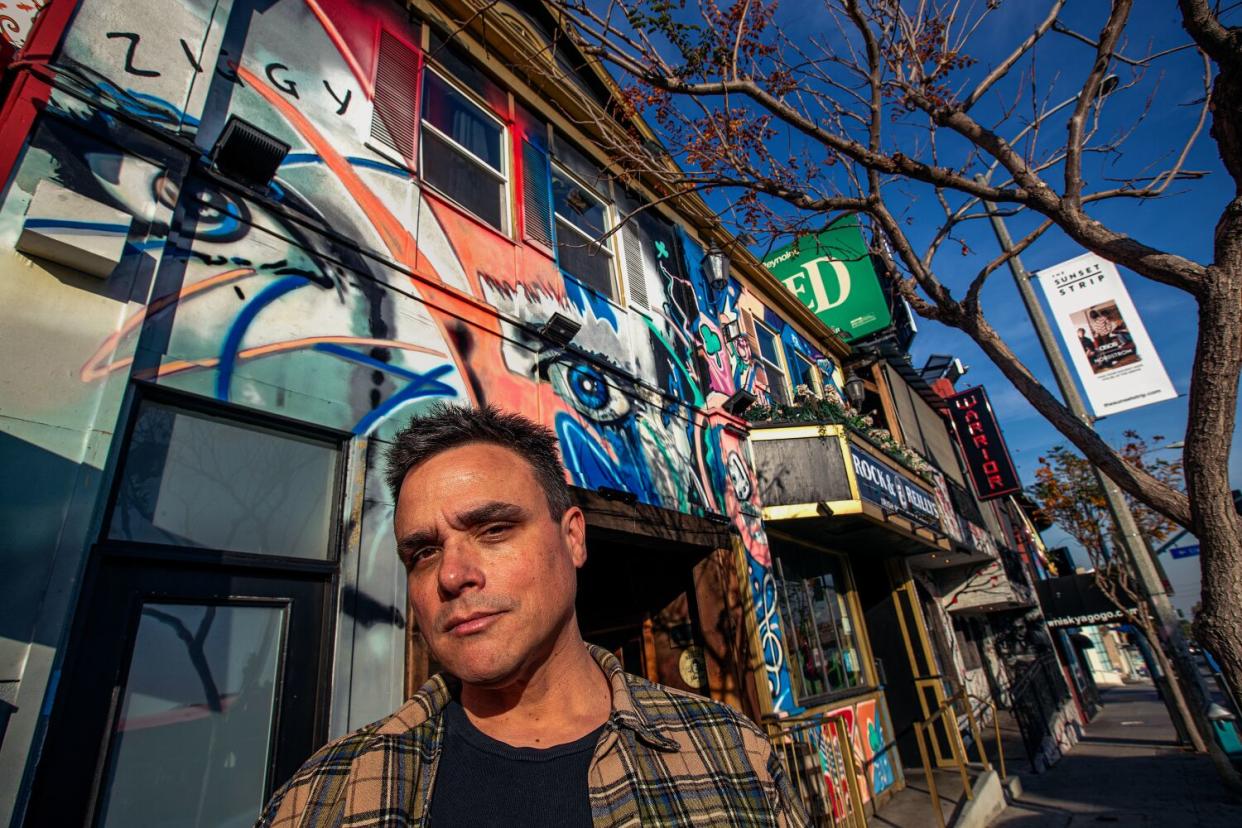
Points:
[(587, 389)]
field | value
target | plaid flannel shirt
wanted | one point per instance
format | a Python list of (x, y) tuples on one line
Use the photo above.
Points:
[(665, 758)]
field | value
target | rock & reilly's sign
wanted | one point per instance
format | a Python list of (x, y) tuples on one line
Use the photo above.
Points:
[(892, 491)]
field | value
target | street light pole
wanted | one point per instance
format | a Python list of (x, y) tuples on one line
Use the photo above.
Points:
[(1139, 554)]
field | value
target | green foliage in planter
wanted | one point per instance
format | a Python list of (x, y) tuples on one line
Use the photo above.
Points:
[(830, 410)]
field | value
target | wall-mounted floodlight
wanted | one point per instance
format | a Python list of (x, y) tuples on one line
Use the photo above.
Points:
[(739, 402), (247, 154), (732, 329), (716, 267), (560, 330)]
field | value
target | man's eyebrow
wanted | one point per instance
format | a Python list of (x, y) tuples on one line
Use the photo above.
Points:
[(492, 511), (415, 541), (479, 515)]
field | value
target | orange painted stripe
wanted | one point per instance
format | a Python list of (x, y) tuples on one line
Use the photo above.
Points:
[(364, 80), (396, 238), (95, 369), (180, 365)]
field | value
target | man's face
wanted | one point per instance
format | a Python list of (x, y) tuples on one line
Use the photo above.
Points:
[(492, 577)]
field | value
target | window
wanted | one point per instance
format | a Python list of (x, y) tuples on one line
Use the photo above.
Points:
[(768, 345), (820, 637), (201, 480), (806, 372), (464, 151), (582, 217)]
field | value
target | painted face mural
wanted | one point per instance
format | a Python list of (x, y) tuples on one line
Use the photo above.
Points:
[(353, 294)]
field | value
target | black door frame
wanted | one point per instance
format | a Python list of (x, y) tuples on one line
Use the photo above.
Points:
[(66, 778), (67, 783)]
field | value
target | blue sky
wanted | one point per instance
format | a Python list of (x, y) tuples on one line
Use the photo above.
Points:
[(1181, 223)]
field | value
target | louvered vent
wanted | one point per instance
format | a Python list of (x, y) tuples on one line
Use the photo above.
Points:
[(394, 118), (748, 328), (536, 194), (635, 271)]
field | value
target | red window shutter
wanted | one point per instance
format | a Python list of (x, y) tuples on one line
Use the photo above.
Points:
[(394, 118)]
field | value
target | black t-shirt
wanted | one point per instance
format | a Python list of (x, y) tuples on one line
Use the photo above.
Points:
[(481, 781)]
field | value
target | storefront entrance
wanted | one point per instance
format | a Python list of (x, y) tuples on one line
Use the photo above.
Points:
[(196, 675), (194, 692)]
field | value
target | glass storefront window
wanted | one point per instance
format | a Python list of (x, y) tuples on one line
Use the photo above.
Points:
[(820, 633)]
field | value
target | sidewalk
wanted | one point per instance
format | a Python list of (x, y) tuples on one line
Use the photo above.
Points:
[(1127, 770)]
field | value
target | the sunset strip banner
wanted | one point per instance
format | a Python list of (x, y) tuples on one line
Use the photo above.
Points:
[(1116, 361)]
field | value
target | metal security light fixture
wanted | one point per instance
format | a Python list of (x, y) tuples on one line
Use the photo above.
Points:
[(560, 330), (855, 390), (716, 267), (731, 329), (739, 402), (247, 154)]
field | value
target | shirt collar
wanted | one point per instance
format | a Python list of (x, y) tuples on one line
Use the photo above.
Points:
[(431, 699), (627, 712)]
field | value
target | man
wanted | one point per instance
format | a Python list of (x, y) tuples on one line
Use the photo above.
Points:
[(527, 725)]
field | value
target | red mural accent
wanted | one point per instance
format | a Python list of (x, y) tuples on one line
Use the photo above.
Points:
[(481, 362), (29, 93), (356, 42)]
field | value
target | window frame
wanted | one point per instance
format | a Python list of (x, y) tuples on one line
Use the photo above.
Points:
[(241, 417), (817, 379), (844, 593), (607, 246), (504, 176), (781, 369)]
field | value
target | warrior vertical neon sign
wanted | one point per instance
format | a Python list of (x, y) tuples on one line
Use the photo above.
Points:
[(982, 444)]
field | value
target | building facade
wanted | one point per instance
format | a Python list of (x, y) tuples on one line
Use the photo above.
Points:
[(241, 242)]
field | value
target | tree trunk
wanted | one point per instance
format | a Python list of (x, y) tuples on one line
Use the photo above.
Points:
[(1213, 404)]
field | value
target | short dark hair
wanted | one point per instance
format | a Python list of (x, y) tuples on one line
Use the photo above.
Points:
[(445, 426)]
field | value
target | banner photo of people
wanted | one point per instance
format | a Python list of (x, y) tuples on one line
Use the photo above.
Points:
[(1115, 359)]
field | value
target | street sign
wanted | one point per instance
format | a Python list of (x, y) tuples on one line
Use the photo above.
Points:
[(1185, 551)]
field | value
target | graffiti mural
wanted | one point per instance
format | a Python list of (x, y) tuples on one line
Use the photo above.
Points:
[(872, 753), (744, 506), (351, 294), (17, 17)]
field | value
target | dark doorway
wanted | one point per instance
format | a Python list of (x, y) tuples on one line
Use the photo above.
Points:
[(191, 693), (881, 605), (636, 597)]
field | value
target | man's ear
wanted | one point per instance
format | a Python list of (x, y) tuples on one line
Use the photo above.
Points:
[(573, 532)]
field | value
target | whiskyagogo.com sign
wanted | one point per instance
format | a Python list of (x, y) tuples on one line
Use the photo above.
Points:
[(832, 275)]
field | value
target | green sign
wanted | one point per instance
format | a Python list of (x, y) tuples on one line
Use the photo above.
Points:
[(832, 275)]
